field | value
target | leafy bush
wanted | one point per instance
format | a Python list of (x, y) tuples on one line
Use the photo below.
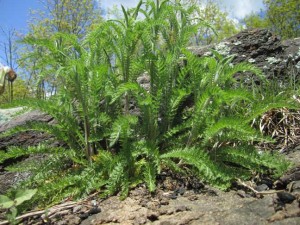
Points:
[(11, 204), (194, 114)]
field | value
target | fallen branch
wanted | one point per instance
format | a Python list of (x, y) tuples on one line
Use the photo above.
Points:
[(51, 211), (258, 192)]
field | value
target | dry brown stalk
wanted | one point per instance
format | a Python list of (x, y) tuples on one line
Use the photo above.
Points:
[(53, 210)]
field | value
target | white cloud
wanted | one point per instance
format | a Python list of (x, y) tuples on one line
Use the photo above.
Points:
[(126, 3), (237, 8), (242, 8)]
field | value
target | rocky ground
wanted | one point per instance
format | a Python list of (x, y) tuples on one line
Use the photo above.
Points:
[(203, 205)]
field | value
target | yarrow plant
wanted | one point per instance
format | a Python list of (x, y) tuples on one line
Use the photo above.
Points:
[(195, 116)]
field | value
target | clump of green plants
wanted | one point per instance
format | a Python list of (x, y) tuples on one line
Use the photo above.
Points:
[(194, 118), (11, 204)]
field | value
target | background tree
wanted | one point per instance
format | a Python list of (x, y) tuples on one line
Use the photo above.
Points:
[(255, 20), (10, 49), (21, 91), (58, 16), (281, 16), (221, 26), (68, 16)]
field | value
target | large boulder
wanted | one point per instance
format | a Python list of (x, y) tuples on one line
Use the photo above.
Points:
[(20, 139), (262, 48), (28, 138)]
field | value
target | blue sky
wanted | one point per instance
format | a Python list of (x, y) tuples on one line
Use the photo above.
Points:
[(15, 14), (237, 8)]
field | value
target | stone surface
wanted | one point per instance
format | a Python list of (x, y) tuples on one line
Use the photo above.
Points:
[(7, 114), (28, 138), (22, 119), (260, 47), (21, 139), (225, 208)]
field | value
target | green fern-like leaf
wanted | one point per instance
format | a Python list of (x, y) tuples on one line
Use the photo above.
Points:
[(116, 179), (204, 164), (246, 132), (15, 152), (150, 176)]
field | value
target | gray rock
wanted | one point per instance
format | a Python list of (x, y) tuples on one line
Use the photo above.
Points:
[(288, 221), (292, 175), (286, 197), (289, 215), (262, 187), (22, 139), (260, 47), (8, 114), (22, 119), (294, 186), (123, 212), (28, 138), (68, 220)]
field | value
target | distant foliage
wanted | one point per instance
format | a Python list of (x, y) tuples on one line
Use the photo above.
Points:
[(254, 20), (218, 23), (281, 16), (66, 16), (20, 91)]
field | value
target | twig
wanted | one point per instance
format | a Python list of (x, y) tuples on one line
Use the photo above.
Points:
[(52, 210), (49, 211), (258, 192)]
